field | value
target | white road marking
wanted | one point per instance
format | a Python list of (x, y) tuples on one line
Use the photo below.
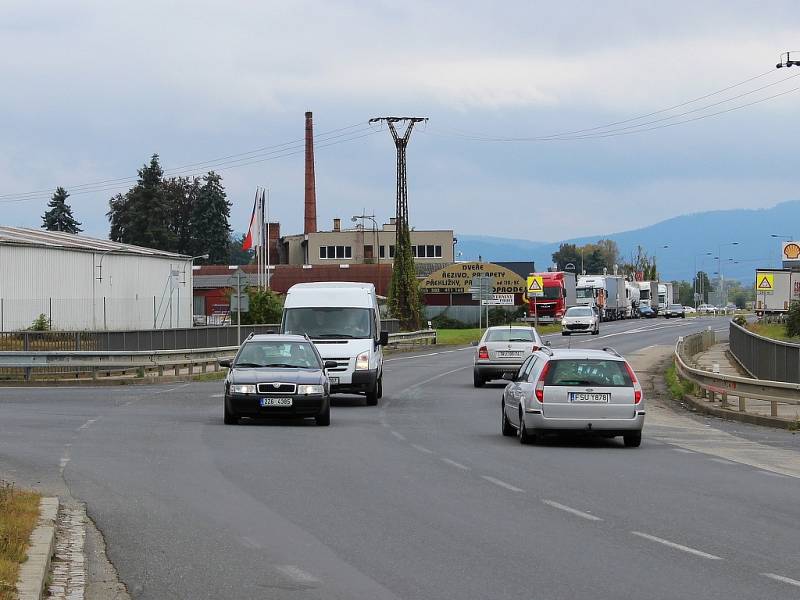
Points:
[(248, 542), (171, 389), (502, 484), (399, 436), (782, 579), (421, 448), (439, 376), (722, 461), (87, 424), (675, 546), (455, 464), (574, 511), (683, 451), (217, 395), (429, 354), (65, 458), (763, 472), (297, 574)]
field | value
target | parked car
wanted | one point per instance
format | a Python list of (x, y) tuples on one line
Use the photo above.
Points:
[(503, 349), (581, 319), (706, 309), (689, 310), (591, 391), (645, 312), (675, 310), (276, 375)]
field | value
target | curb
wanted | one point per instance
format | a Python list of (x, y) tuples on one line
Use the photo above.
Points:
[(34, 571), (743, 417)]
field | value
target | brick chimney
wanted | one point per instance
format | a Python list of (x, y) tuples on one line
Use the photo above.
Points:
[(311, 186)]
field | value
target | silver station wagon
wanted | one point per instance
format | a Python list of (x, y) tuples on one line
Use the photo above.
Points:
[(502, 349), (592, 391)]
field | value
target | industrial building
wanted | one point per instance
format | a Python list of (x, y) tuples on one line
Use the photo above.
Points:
[(81, 283)]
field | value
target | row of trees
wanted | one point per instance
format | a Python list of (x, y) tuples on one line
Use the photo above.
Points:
[(604, 255)]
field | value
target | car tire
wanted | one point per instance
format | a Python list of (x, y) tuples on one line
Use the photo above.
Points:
[(324, 419), (523, 435), (227, 416), (565, 333), (507, 428), (477, 380), (380, 387), (683, 316), (372, 395), (596, 331), (632, 440)]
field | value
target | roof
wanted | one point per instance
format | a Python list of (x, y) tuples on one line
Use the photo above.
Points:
[(586, 354), (521, 268), (277, 337), (41, 238)]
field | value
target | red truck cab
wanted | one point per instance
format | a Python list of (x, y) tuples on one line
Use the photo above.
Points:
[(559, 295)]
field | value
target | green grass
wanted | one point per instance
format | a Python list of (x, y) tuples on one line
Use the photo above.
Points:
[(461, 337), (19, 513), (678, 388), (776, 331), (211, 376)]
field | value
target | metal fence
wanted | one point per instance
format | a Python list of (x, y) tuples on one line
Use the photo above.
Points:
[(765, 358)]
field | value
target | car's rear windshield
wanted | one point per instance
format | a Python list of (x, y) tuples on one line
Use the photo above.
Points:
[(286, 355), (676, 307), (510, 335), (588, 372), (580, 312)]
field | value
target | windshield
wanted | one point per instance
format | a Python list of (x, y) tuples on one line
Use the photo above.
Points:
[(510, 335), (584, 293), (600, 373), (551, 292), (579, 312), (676, 307), (644, 294), (329, 322), (288, 355)]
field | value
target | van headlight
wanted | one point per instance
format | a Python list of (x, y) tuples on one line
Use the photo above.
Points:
[(362, 361), (308, 390), (243, 389)]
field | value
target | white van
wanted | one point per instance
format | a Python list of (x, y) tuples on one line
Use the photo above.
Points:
[(344, 322)]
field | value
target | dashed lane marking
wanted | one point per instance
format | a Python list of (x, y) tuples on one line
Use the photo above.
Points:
[(683, 451), (676, 546), (428, 354), (217, 395), (87, 424), (399, 436), (297, 574), (421, 448), (455, 464), (502, 484), (782, 579), (573, 511), (722, 461)]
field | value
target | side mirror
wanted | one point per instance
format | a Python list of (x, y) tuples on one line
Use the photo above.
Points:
[(384, 339), (330, 364), (548, 343), (509, 376), (225, 363)]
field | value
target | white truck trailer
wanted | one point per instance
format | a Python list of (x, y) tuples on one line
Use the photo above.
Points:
[(648, 294), (775, 290), (607, 292), (632, 293)]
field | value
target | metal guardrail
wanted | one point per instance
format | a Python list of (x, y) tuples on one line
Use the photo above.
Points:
[(764, 357), (62, 364), (743, 388)]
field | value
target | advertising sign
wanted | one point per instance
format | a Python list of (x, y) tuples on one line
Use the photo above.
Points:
[(791, 252), (458, 279)]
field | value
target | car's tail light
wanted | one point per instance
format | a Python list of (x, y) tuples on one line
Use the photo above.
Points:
[(637, 389), (637, 396), (483, 353), (535, 348), (540, 384)]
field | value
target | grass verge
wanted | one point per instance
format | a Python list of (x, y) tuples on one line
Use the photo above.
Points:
[(211, 376), (452, 337), (775, 331), (678, 388), (19, 514)]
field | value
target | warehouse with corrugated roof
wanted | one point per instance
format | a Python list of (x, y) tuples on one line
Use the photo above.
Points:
[(82, 283)]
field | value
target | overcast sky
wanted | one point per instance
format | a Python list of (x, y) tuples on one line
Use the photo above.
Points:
[(90, 89)]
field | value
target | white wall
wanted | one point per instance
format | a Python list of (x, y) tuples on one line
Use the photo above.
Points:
[(63, 285)]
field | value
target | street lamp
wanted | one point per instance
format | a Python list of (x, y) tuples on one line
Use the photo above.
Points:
[(787, 60), (698, 283), (788, 238), (723, 296)]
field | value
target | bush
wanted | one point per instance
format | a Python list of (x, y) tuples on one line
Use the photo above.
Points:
[(443, 321), (740, 320), (499, 316), (266, 307), (40, 323), (678, 388), (793, 320)]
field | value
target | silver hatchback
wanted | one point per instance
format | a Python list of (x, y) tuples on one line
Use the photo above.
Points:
[(591, 391), (503, 349)]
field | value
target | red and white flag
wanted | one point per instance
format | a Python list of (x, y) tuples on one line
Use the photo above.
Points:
[(254, 238)]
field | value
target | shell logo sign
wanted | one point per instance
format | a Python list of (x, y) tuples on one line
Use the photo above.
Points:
[(791, 251)]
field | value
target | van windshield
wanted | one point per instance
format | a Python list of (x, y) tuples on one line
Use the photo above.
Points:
[(329, 322)]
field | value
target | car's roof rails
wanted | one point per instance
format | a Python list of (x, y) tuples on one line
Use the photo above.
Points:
[(252, 333), (612, 351)]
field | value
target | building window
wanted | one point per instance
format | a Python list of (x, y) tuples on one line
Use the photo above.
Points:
[(382, 251), (438, 252), (426, 251), (391, 251), (334, 252)]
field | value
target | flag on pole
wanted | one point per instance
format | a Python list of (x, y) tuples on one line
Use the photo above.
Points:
[(254, 238)]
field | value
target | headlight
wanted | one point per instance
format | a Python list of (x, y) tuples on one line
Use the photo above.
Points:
[(362, 361), (243, 389), (306, 390)]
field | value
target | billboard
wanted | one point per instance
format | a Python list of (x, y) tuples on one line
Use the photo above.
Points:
[(790, 253)]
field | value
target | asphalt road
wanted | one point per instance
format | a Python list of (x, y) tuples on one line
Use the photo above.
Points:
[(419, 498)]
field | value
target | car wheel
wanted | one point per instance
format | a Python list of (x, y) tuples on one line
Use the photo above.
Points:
[(683, 316), (523, 435), (227, 416), (372, 395), (380, 386), (632, 440), (324, 419), (477, 380), (565, 333), (507, 428), (596, 331)]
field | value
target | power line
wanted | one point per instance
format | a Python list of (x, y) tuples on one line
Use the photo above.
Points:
[(208, 164)]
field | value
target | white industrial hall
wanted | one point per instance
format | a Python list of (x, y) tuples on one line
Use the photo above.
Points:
[(81, 283)]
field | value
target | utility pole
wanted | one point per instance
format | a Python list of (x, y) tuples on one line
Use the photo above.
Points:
[(404, 299)]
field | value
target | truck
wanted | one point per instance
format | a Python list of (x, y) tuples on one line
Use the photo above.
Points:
[(559, 295), (606, 292), (775, 290), (665, 295), (632, 294), (648, 294)]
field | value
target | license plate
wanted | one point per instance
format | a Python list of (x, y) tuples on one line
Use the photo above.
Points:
[(587, 397), (334, 380), (501, 354), (276, 402)]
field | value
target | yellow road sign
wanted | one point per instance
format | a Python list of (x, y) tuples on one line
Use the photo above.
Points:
[(535, 285), (765, 282)]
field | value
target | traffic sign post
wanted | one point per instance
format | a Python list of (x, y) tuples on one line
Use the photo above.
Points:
[(535, 285), (482, 286), (499, 300)]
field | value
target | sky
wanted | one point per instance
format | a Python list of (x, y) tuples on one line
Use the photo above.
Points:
[(90, 89)]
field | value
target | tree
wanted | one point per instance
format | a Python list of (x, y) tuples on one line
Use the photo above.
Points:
[(685, 292), (703, 286), (404, 293), (566, 254), (59, 217), (210, 213), (265, 307), (180, 194), (142, 216), (237, 255)]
